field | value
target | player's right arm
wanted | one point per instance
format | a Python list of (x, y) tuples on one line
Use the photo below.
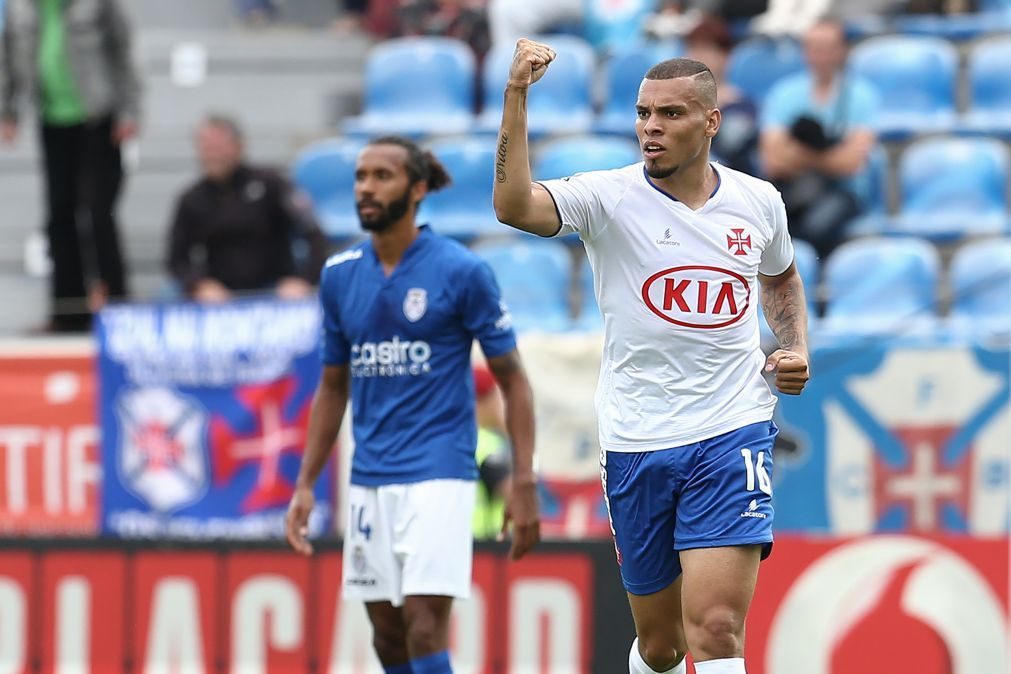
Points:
[(325, 417), (519, 202)]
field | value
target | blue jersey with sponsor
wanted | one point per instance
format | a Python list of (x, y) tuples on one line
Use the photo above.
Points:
[(407, 341)]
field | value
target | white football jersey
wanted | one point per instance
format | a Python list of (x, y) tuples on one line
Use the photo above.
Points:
[(679, 293)]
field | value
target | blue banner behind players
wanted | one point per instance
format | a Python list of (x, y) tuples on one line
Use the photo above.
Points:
[(204, 411)]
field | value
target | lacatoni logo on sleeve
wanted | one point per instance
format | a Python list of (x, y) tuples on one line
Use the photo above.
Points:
[(394, 358)]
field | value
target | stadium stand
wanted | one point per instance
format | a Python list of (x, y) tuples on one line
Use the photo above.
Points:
[(325, 172), (464, 209), (980, 281), (562, 102), (989, 72), (758, 63), (880, 287), (534, 278), (916, 76), (401, 72), (567, 156), (953, 187)]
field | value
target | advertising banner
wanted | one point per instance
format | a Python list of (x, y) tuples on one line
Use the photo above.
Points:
[(49, 459), (205, 410), (897, 439)]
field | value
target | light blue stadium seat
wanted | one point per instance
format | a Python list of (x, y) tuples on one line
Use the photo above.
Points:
[(577, 154), (417, 86), (980, 281), (534, 278), (953, 187), (560, 102), (915, 77), (325, 171), (624, 72), (989, 77), (881, 286), (464, 209), (758, 63)]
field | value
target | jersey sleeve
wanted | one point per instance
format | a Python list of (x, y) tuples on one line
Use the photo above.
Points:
[(334, 347), (578, 203), (485, 315), (778, 255)]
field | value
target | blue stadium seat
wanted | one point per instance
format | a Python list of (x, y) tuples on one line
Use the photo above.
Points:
[(417, 86), (990, 93), (758, 63), (953, 187), (916, 78), (872, 185), (534, 278), (577, 154), (464, 209), (624, 72), (560, 102), (981, 290), (608, 24), (325, 171), (881, 286)]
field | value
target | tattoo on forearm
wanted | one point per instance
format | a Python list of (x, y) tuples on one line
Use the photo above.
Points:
[(500, 158), (783, 304)]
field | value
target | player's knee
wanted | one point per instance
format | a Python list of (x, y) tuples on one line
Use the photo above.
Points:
[(390, 644), (719, 632), (424, 635), (660, 654)]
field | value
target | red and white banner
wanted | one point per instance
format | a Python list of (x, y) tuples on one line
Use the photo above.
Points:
[(49, 464)]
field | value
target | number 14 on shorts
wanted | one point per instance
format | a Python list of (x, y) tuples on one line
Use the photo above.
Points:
[(358, 521), (753, 467)]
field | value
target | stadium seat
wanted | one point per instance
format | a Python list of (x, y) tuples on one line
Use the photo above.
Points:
[(872, 188), (325, 171), (758, 63), (981, 290), (417, 86), (952, 187), (916, 78), (624, 72), (560, 102), (608, 24), (990, 93), (881, 286), (534, 278), (464, 209), (567, 156)]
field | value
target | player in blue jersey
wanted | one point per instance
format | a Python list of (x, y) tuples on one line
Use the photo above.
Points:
[(401, 312)]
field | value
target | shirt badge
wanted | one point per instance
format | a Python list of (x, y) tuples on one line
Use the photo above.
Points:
[(415, 304)]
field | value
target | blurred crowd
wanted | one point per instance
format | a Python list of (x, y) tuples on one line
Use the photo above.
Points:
[(240, 227)]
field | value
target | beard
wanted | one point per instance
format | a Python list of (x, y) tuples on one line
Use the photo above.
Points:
[(657, 172), (385, 215)]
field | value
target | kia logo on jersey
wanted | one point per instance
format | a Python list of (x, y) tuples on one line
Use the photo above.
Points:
[(697, 296)]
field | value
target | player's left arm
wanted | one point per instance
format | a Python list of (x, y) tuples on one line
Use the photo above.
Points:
[(786, 312), (521, 506)]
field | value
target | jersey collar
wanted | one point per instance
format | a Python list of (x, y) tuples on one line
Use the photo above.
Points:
[(719, 183)]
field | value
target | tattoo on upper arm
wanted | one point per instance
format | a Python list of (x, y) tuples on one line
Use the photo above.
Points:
[(500, 158), (785, 311)]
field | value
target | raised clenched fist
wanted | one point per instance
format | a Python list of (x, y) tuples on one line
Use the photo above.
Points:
[(530, 62)]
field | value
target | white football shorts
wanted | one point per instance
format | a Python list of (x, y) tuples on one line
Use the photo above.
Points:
[(409, 539)]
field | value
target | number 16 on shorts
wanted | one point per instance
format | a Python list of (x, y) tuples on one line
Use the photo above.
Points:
[(754, 467)]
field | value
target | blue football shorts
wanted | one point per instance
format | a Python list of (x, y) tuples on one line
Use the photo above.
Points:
[(713, 493)]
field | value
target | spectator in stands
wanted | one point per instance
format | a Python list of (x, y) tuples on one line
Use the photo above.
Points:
[(736, 145), (493, 462), (816, 139), (465, 20), (74, 58), (241, 228)]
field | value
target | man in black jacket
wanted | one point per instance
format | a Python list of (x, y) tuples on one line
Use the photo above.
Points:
[(240, 228)]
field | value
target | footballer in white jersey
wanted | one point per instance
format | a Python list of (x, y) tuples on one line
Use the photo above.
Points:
[(683, 252)]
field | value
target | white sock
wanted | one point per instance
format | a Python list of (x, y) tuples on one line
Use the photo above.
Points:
[(636, 665), (721, 666)]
